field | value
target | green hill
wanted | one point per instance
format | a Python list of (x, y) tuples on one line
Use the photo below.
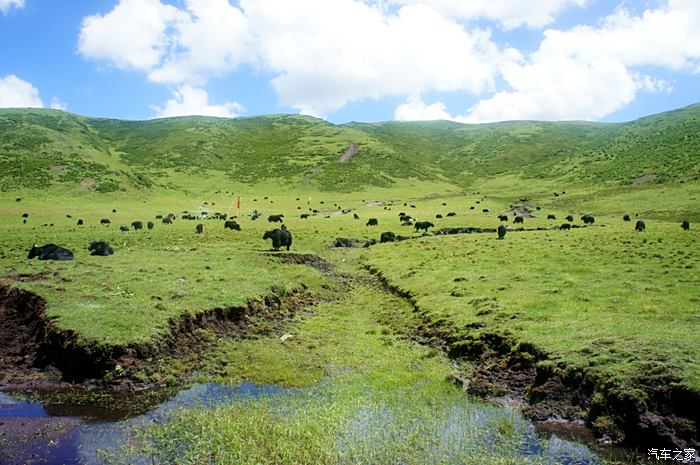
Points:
[(45, 148)]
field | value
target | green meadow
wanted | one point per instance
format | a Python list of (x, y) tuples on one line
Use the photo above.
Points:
[(618, 306)]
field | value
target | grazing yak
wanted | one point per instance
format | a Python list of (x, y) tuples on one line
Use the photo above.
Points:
[(588, 219), (551, 217), (50, 252), (167, 220), (101, 248), (640, 226), (503, 217), (150, 225), (424, 225), (565, 227), (452, 214), (372, 222), (124, 228), (502, 231), (626, 218), (159, 217), (25, 215), (685, 225), (304, 216), (438, 216), (275, 218), (105, 221), (280, 238), (570, 218), (387, 236), (356, 216), (80, 222), (232, 225), (137, 225), (519, 219), (199, 229), (485, 210), (344, 242)]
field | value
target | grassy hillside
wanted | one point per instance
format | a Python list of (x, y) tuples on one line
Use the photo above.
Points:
[(44, 148)]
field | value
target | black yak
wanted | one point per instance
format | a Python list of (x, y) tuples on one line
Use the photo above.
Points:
[(387, 236), (50, 252), (424, 225), (101, 248), (372, 222), (280, 238), (502, 231), (232, 225)]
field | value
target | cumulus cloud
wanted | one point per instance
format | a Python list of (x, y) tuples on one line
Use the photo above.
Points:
[(189, 100), (57, 104), (413, 109), (135, 34), (6, 5), (322, 54), (16, 93), (589, 72), (509, 13)]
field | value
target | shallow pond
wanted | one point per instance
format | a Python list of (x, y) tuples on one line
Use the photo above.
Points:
[(35, 433)]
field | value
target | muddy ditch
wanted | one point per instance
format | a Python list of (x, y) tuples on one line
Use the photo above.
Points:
[(658, 414), (41, 354)]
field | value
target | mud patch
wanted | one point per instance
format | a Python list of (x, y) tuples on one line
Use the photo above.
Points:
[(308, 259)]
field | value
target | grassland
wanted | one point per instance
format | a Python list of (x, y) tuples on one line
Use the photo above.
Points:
[(618, 306)]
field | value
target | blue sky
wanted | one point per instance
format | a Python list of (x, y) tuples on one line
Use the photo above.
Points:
[(343, 60)]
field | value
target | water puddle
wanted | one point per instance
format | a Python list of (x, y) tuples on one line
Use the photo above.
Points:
[(34, 433)]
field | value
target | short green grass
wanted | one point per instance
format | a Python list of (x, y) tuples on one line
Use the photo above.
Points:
[(373, 398), (616, 303)]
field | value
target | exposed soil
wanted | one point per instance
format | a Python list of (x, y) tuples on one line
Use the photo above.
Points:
[(645, 179), (38, 353), (510, 371), (304, 259), (87, 184), (347, 155)]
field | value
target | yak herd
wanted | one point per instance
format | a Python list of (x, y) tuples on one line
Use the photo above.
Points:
[(282, 237)]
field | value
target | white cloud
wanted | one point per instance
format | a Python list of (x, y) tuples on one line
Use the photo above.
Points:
[(135, 34), (189, 100), (510, 13), (56, 104), (212, 37), (323, 54), (16, 93), (588, 72), (6, 5), (415, 110)]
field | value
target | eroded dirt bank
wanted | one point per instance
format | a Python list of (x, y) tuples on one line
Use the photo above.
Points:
[(659, 412), (38, 353)]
